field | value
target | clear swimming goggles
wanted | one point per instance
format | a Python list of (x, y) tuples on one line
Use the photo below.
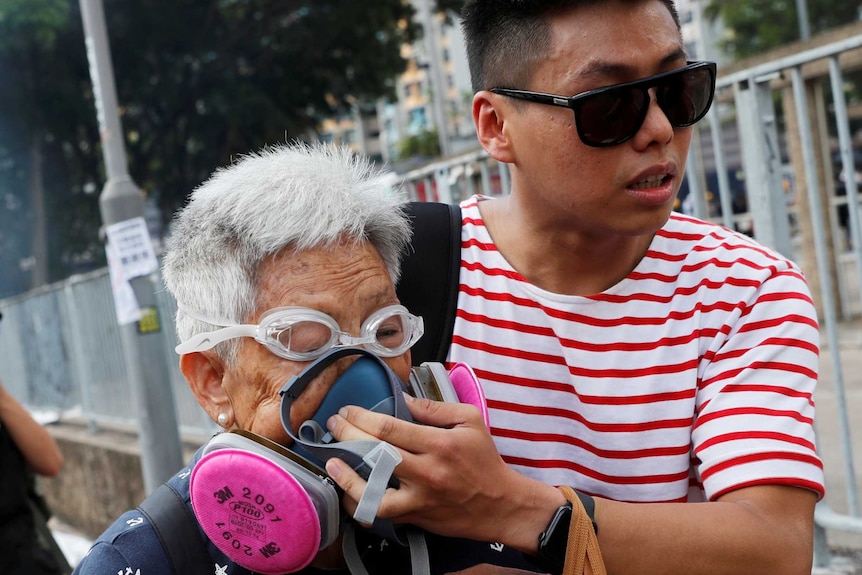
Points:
[(304, 334)]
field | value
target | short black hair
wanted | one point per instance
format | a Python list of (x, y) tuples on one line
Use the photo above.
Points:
[(504, 36)]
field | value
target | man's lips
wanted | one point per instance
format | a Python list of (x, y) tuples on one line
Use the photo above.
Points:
[(653, 190), (650, 182)]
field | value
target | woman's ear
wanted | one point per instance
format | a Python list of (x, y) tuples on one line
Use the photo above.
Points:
[(205, 373), (489, 115)]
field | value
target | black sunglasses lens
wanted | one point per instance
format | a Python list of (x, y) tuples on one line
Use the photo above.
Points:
[(611, 116), (685, 97)]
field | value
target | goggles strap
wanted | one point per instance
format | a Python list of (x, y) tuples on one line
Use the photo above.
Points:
[(194, 314)]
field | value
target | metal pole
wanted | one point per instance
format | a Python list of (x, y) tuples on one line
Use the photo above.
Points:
[(724, 192), (122, 200), (762, 164), (848, 165), (696, 193), (802, 16)]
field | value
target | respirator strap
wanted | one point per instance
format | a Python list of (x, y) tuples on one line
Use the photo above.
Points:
[(351, 551), (376, 460), (382, 461), (418, 551), (419, 561)]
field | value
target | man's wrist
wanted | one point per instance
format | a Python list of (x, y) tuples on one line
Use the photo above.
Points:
[(554, 539)]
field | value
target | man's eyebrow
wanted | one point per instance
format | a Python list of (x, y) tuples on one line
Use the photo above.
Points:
[(602, 69)]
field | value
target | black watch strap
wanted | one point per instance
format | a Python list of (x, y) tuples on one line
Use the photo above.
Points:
[(590, 507), (554, 540)]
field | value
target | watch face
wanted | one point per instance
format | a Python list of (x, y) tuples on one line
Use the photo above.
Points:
[(555, 539)]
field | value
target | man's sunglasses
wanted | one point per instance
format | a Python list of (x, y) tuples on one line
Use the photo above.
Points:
[(613, 114)]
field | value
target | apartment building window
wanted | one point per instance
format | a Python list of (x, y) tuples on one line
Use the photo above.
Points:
[(417, 120)]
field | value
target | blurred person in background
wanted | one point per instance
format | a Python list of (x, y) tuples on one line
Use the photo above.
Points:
[(27, 449)]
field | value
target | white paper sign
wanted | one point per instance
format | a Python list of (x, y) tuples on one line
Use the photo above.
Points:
[(130, 241), (125, 302)]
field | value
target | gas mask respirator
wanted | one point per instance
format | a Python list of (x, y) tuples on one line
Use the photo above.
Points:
[(270, 508)]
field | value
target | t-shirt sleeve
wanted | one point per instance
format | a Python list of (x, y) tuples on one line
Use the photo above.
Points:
[(754, 420)]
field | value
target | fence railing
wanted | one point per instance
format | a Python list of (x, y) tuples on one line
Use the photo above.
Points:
[(60, 350)]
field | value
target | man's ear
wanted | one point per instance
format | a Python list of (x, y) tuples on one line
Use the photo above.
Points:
[(205, 373), (489, 115)]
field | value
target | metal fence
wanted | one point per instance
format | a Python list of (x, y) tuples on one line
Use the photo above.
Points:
[(60, 350)]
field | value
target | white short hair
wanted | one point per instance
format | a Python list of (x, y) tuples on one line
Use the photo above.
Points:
[(296, 195)]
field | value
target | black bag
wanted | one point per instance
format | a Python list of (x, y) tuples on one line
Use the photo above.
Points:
[(429, 276), (27, 546), (47, 547)]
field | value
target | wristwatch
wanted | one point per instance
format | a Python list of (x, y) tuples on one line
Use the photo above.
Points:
[(554, 540)]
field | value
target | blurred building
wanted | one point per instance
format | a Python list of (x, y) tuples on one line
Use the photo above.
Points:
[(700, 34), (433, 96)]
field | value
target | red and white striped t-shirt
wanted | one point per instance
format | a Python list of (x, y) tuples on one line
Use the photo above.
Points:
[(692, 377)]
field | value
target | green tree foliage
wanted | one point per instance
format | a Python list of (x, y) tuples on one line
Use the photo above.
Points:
[(203, 81), (425, 144), (47, 143), (758, 25), (198, 83)]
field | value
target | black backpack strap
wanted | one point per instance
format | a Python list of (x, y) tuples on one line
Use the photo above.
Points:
[(178, 531), (429, 276)]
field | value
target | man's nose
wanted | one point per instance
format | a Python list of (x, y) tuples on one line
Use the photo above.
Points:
[(656, 125)]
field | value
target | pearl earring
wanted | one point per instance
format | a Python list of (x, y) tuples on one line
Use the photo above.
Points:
[(222, 419)]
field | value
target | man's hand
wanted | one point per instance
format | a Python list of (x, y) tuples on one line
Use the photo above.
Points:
[(453, 481)]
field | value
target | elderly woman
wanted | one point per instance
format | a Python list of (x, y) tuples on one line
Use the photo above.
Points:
[(278, 262), (308, 232)]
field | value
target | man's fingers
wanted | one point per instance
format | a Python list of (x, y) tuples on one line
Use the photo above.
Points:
[(353, 423), (346, 478), (442, 414), (343, 429), (354, 486)]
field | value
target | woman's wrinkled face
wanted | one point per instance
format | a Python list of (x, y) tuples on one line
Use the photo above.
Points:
[(348, 283)]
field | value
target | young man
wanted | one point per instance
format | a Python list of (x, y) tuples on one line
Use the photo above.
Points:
[(663, 365)]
